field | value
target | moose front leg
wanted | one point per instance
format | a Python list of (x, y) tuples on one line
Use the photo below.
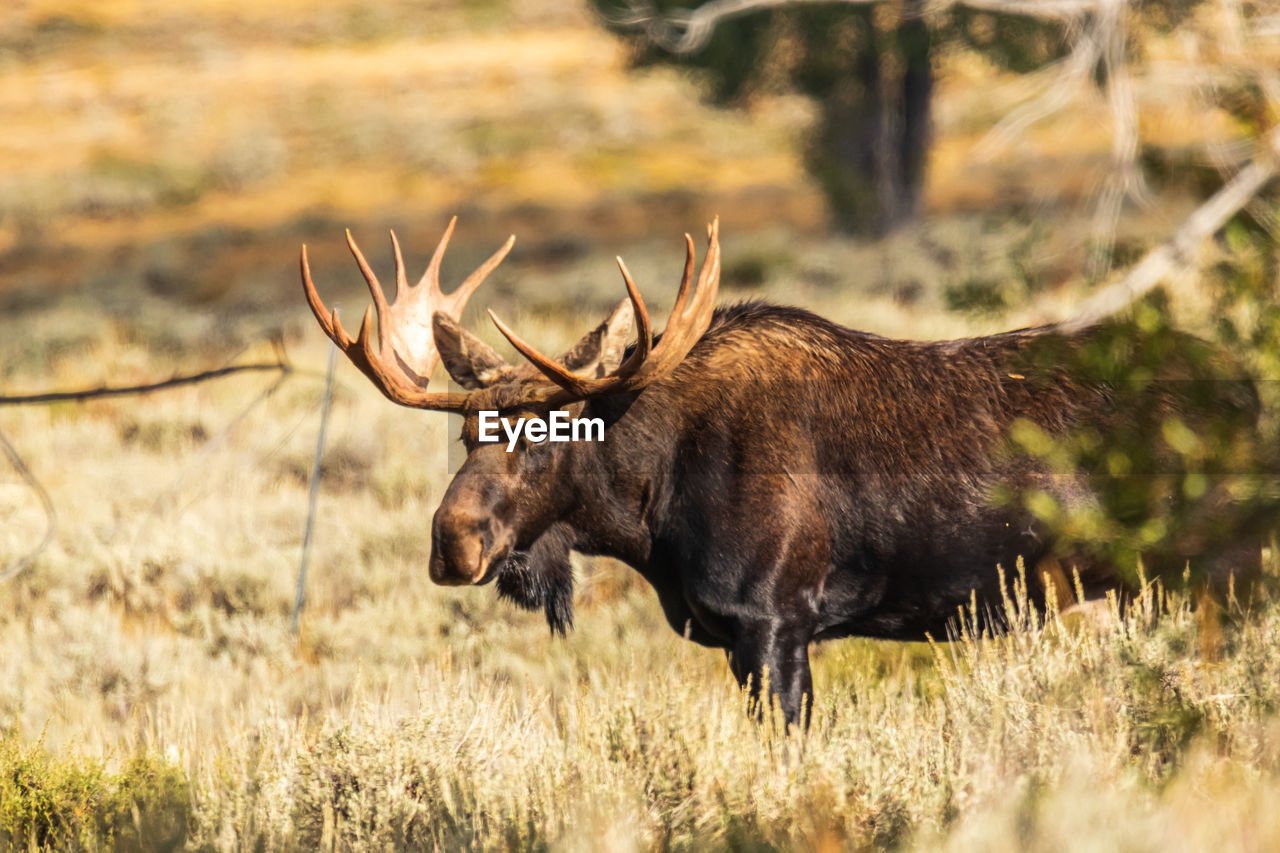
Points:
[(777, 653)]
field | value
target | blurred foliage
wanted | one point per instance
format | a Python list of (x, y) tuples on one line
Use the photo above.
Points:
[(52, 803), (1181, 479), (1163, 469), (1013, 42)]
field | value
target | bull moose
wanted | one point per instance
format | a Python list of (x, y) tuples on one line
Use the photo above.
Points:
[(777, 478)]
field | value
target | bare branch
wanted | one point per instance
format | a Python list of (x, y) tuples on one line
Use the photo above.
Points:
[(1068, 75), (313, 494), (687, 31), (1171, 254), (1125, 179), (1235, 45), (1103, 38)]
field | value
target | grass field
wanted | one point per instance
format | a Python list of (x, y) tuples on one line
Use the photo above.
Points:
[(159, 168)]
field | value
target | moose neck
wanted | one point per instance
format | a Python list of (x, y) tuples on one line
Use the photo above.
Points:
[(620, 485)]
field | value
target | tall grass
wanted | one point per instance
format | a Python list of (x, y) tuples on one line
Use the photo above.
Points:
[(151, 694), (1147, 729)]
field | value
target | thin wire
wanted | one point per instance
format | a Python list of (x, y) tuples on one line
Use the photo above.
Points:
[(300, 598), (121, 391), (169, 492), (50, 514)]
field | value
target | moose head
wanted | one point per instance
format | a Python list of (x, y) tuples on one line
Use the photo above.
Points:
[(499, 516)]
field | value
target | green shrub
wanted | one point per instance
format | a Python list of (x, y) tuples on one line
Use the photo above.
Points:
[(49, 802)]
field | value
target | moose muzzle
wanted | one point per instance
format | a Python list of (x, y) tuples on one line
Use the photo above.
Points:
[(462, 547)]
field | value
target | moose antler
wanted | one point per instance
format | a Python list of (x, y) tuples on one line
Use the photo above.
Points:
[(401, 363), (690, 318)]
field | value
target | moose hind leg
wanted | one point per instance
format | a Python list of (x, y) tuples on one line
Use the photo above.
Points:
[(772, 652)]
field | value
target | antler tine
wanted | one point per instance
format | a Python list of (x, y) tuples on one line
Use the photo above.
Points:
[(328, 320), (313, 296), (431, 277), (567, 379), (375, 289), (690, 318), (682, 295), (550, 368), (341, 336), (709, 279), (402, 283), (644, 332), (400, 362), (362, 337)]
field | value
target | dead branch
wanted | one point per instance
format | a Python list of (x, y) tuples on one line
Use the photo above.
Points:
[(687, 31), (1178, 249), (1102, 39), (313, 495), (1067, 77), (280, 366), (1124, 181)]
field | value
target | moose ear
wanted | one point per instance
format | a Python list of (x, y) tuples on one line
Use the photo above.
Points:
[(600, 351), (470, 361)]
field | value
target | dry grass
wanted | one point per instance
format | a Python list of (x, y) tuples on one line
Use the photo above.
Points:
[(148, 677), (407, 715), (1013, 740)]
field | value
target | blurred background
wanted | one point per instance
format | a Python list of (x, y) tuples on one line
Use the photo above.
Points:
[(911, 168), (180, 153)]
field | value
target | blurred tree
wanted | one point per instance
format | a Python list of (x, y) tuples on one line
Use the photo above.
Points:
[(870, 69)]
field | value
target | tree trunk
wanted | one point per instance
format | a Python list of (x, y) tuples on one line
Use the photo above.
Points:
[(869, 153)]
